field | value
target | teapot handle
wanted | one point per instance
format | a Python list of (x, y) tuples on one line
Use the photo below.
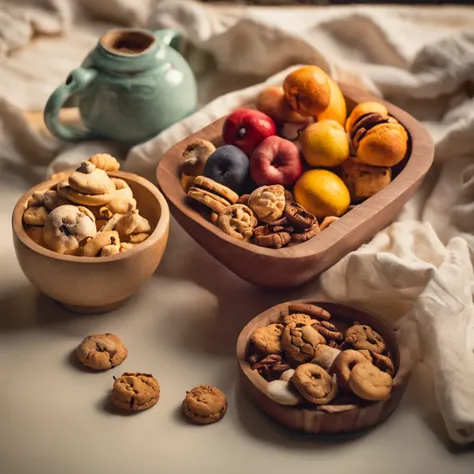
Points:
[(171, 37), (77, 80)]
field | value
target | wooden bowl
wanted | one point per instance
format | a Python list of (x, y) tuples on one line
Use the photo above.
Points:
[(95, 284), (294, 266), (367, 415)]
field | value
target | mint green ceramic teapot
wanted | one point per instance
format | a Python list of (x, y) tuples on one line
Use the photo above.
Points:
[(130, 87)]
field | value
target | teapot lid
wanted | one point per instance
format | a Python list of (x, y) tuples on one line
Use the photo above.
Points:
[(127, 42)]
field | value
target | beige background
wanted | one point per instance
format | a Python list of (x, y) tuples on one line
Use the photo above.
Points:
[(182, 327)]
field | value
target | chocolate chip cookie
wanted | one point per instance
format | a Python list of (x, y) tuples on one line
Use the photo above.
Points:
[(101, 351), (135, 391), (205, 404)]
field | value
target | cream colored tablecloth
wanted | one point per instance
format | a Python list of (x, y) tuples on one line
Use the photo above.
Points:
[(183, 325)]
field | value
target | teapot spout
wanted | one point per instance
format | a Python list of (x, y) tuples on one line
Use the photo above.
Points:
[(170, 37)]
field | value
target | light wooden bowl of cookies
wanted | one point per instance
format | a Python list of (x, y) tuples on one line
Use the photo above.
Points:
[(94, 284), (293, 266), (356, 414)]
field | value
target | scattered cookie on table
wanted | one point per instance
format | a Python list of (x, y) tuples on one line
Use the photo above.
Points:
[(135, 391), (205, 405), (101, 351)]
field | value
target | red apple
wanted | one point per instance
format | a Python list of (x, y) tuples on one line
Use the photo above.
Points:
[(246, 129), (276, 161)]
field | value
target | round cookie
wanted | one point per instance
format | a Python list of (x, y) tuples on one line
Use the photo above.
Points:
[(299, 341), (370, 383), (268, 202), (343, 365), (361, 336), (314, 384), (238, 221), (101, 351), (88, 179), (135, 391), (66, 228), (205, 404), (76, 197), (268, 339)]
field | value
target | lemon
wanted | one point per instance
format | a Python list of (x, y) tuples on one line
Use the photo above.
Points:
[(322, 193), (324, 143)]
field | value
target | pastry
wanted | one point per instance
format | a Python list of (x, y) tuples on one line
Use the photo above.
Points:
[(105, 162), (283, 392), (343, 365), (370, 383), (315, 384), (267, 339), (94, 247), (299, 342), (195, 156), (205, 404), (298, 318), (310, 309), (328, 330), (361, 336), (135, 391), (268, 202), (101, 351), (88, 179), (238, 221), (35, 215), (66, 228)]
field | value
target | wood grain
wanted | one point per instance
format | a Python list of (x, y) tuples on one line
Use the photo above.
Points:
[(293, 266), (313, 420), (93, 284)]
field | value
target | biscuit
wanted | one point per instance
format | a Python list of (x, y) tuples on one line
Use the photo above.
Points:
[(127, 223), (137, 238), (101, 351), (135, 391), (361, 336), (276, 240), (212, 201), (52, 199), (94, 247), (122, 197), (370, 383), (205, 404), (343, 365), (298, 318), (215, 188), (76, 197), (309, 309), (66, 228), (306, 234), (299, 341), (283, 392), (299, 216), (267, 339), (244, 199), (105, 162), (315, 384), (268, 202), (36, 215), (109, 250), (238, 221), (36, 199), (88, 179)]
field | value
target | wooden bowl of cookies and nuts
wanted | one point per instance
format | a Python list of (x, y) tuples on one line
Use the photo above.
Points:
[(90, 238), (321, 367), (281, 191)]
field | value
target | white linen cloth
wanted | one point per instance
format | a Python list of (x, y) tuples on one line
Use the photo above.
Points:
[(417, 273)]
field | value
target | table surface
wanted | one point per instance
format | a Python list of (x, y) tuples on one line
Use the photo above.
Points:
[(182, 328)]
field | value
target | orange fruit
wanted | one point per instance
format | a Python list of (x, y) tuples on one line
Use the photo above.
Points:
[(307, 90), (322, 193), (324, 143), (362, 109), (337, 106)]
